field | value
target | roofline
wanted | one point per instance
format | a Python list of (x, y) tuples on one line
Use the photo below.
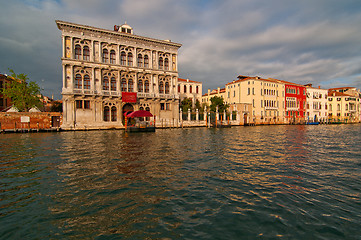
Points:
[(185, 80), (62, 24)]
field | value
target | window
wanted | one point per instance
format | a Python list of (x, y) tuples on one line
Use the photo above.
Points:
[(160, 63), (106, 116), (140, 86), (197, 89), (167, 88), (114, 114), (161, 106), (112, 57), (105, 83), (185, 89), (161, 87), (346, 106), (86, 82), (105, 55), (1, 84), (190, 89), (86, 104), (167, 106), (78, 81), (124, 85), (338, 107), (140, 60), (166, 64), (77, 52), (130, 85), (86, 53), (253, 91), (146, 61), (123, 59), (130, 59), (178, 88), (79, 104), (146, 86), (249, 91), (113, 84), (1, 102)]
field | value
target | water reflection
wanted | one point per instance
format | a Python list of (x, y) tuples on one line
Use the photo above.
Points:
[(181, 184)]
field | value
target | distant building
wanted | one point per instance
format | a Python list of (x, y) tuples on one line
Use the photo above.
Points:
[(5, 103), (316, 104), (295, 107), (266, 97), (109, 72), (344, 104), (219, 92), (190, 89)]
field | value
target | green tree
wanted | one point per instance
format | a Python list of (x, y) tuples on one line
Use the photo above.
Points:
[(218, 101), (198, 106), (186, 104), (24, 94)]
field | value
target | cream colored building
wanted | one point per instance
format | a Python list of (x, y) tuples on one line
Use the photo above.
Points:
[(190, 89), (344, 104), (219, 92), (316, 104), (266, 96), (109, 72)]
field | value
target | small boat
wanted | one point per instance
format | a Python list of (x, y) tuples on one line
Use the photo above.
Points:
[(139, 126), (312, 123)]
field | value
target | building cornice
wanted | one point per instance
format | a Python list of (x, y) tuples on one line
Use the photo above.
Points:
[(62, 24)]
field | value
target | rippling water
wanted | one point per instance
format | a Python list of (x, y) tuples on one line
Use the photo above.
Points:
[(267, 182)]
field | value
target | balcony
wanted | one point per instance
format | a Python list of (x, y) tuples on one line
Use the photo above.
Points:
[(271, 108)]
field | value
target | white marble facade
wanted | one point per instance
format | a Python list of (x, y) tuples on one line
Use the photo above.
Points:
[(100, 65)]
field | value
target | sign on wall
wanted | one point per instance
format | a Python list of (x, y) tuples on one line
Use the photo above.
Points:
[(25, 119), (129, 97)]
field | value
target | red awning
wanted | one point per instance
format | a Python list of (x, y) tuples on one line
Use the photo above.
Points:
[(140, 113)]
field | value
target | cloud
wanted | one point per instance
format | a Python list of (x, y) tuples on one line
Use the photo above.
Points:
[(305, 41)]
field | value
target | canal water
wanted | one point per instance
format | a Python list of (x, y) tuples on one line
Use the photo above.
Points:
[(263, 182)]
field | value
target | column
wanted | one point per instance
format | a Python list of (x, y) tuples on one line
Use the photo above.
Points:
[(197, 117), (64, 77), (93, 86), (71, 47), (189, 115), (100, 52), (64, 46), (136, 82)]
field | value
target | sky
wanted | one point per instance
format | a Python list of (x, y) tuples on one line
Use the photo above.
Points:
[(308, 41)]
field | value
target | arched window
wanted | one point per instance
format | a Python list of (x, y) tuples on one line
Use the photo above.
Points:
[(197, 89), (105, 83), (78, 81), (86, 53), (161, 87), (146, 61), (113, 84), (338, 107), (114, 114), (185, 89), (106, 116), (86, 82), (124, 85), (130, 85), (77, 52), (112, 56), (167, 87), (190, 89), (330, 108), (130, 59), (123, 59), (160, 63), (166, 64), (346, 106), (140, 86), (147, 109), (140, 60), (146, 86), (105, 55)]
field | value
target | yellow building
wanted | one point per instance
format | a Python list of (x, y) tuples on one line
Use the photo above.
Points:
[(266, 96), (342, 107), (219, 92)]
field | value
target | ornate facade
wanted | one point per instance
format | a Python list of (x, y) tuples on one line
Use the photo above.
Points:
[(109, 72)]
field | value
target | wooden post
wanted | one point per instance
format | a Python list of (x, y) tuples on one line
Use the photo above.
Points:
[(126, 122)]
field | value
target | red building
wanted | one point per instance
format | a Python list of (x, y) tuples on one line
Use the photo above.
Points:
[(295, 102), (4, 102)]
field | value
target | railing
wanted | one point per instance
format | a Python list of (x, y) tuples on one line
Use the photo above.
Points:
[(271, 108)]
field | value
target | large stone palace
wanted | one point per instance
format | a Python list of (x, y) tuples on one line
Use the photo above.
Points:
[(109, 72)]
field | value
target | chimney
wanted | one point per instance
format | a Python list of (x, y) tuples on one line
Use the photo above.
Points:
[(218, 90), (319, 87)]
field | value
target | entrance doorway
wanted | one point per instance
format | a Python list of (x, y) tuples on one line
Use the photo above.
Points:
[(127, 108)]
